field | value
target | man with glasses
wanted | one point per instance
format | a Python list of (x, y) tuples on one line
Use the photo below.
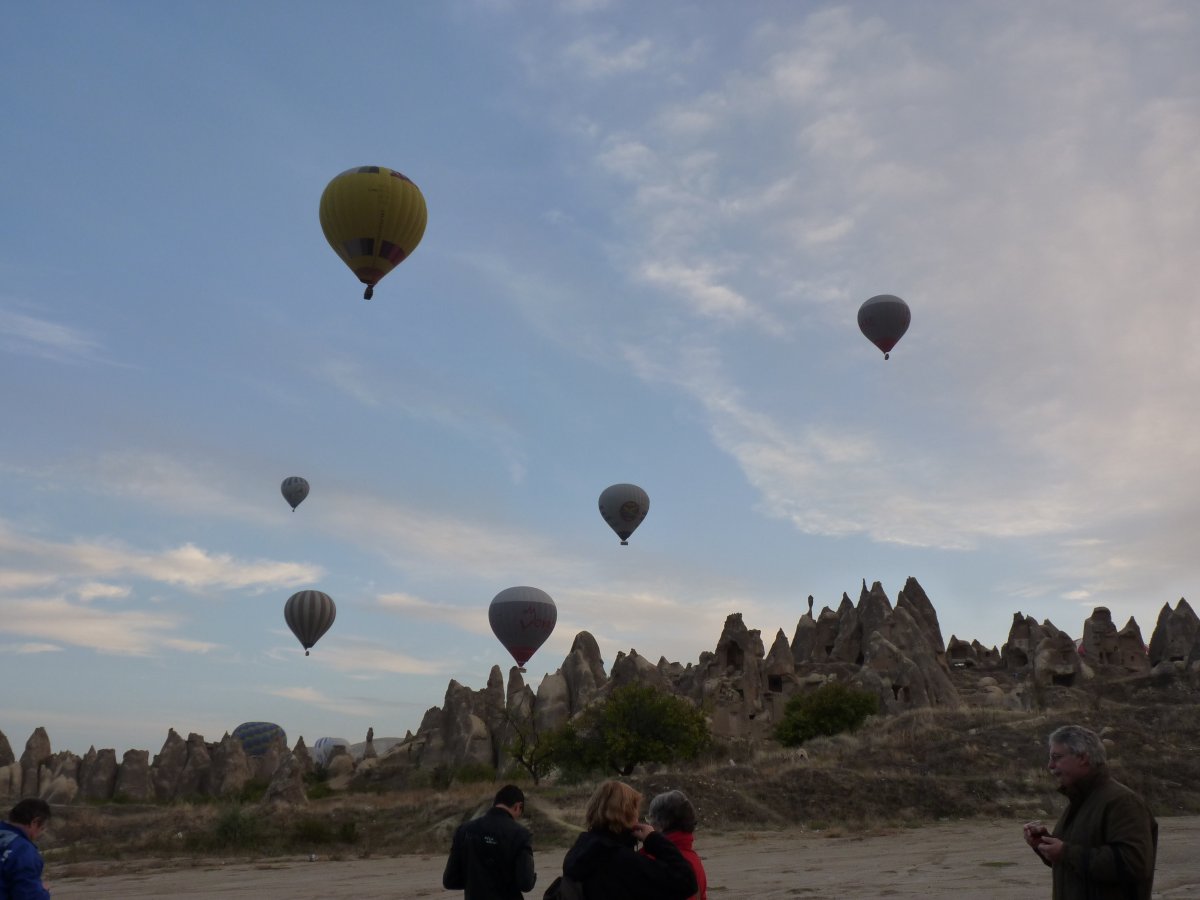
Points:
[(20, 862), (1104, 843)]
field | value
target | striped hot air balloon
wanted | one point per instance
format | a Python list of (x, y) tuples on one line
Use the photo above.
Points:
[(257, 737), (373, 218), (323, 748), (309, 614)]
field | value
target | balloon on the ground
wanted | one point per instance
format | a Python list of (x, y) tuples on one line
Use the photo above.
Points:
[(624, 506), (522, 618), (884, 319), (294, 490), (373, 218), (257, 737), (323, 748), (309, 614)]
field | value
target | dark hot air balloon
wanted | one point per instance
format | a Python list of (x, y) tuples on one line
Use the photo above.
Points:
[(373, 218), (884, 319), (623, 507), (257, 737), (309, 614), (294, 490), (522, 618)]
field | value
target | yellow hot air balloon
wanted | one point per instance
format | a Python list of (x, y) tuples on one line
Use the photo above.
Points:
[(373, 218)]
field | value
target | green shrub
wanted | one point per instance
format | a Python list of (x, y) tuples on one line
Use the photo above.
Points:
[(311, 831), (474, 773), (318, 791), (237, 829), (253, 790), (830, 709)]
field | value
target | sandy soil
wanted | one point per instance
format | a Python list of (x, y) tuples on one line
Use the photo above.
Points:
[(973, 859)]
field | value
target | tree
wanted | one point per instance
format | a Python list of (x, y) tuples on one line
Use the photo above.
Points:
[(830, 709), (533, 752), (637, 724)]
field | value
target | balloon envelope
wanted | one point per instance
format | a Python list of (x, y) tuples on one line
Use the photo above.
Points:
[(257, 737), (522, 618), (309, 614), (323, 748), (294, 490), (623, 507), (373, 218), (884, 319)]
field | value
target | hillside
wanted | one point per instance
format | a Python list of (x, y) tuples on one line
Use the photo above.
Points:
[(898, 771)]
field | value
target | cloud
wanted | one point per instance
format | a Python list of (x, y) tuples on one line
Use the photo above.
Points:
[(429, 396), (31, 647), (466, 618), (311, 697), (369, 659), (424, 542), (598, 56), (37, 604), (45, 339), (105, 630)]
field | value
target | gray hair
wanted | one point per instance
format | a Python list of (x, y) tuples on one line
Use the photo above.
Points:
[(672, 811), (1081, 741)]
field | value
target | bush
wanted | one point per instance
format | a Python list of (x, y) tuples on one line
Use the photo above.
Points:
[(254, 790), (828, 710), (473, 773), (237, 829)]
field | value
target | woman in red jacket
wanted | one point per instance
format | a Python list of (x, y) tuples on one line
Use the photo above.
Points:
[(672, 814)]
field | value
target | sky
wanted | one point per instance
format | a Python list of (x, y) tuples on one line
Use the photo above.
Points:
[(650, 230)]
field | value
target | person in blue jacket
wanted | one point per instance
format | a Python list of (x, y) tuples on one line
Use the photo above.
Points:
[(20, 861)]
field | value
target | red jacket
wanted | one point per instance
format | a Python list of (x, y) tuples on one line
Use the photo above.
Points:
[(683, 842)]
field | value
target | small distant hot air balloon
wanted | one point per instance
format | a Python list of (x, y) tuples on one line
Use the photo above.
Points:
[(623, 507), (522, 618), (309, 614), (373, 218), (257, 737), (884, 319), (294, 490), (323, 748)]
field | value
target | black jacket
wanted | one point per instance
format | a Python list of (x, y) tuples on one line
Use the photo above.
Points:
[(491, 858), (610, 868)]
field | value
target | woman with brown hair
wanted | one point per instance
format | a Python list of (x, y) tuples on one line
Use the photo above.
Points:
[(605, 860)]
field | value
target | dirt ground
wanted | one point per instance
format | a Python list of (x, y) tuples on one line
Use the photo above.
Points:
[(960, 859)]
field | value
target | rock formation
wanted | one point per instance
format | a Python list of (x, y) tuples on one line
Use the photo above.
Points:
[(1176, 638), (895, 651)]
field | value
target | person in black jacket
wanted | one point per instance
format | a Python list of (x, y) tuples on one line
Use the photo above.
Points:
[(605, 860), (491, 857)]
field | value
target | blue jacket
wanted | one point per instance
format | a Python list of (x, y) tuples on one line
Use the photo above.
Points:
[(20, 866)]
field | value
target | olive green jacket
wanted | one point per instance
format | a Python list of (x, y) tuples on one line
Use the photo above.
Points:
[(1110, 841)]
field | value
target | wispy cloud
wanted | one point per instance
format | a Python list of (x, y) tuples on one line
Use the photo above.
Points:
[(105, 630), (46, 339), (604, 55), (369, 659), (187, 566), (311, 697), (428, 396)]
